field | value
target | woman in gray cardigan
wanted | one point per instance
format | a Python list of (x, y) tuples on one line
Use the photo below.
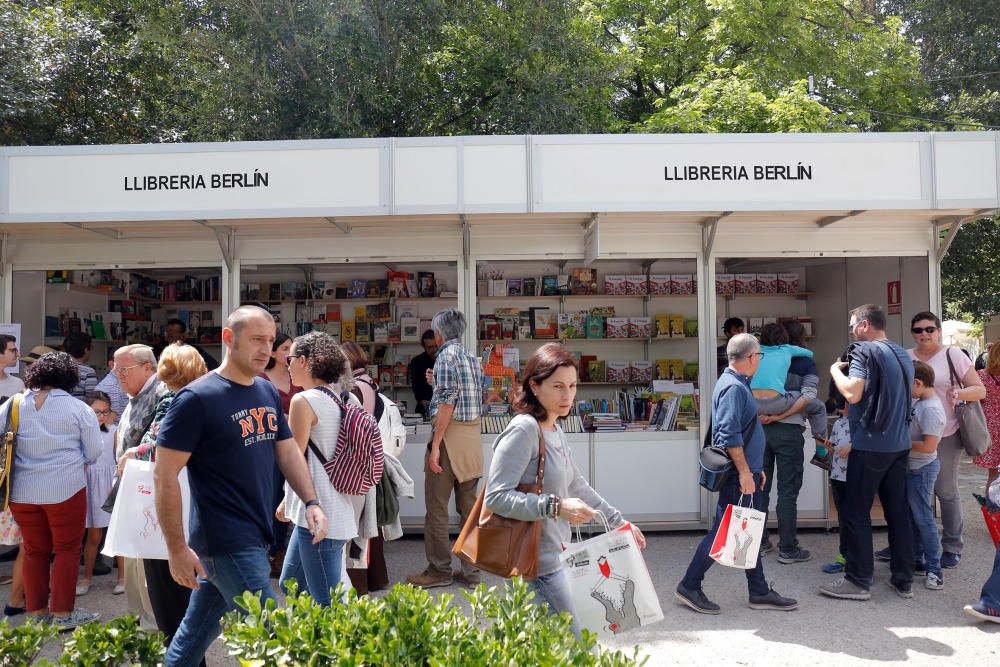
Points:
[(547, 391)]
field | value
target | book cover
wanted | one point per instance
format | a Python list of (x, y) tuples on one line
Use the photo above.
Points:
[(614, 285), (409, 330), (754, 325), (597, 371), (757, 286), (641, 372), (584, 281), (578, 325), (544, 323), (362, 332), (743, 283), (318, 288), (768, 283), (341, 290), (483, 287), (616, 327), (659, 284), (550, 285), (358, 287), (563, 284), (528, 287), (618, 371), (639, 327), (676, 369), (376, 289), (595, 326), (507, 329), (682, 283), (498, 287), (395, 331), (335, 329), (56, 277), (663, 326), (690, 328), (425, 284), (347, 330), (636, 285), (661, 369), (491, 329), (397, 284), (725, 283), (514, 287), (523, 332), (333, 312), (788, 283), (585, 360), (562, 326), (676, 326), (691, 371)]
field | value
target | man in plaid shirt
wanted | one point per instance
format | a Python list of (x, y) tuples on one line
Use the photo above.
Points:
[(454, 460)]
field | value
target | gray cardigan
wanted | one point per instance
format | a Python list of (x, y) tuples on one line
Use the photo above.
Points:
[(515, 461)]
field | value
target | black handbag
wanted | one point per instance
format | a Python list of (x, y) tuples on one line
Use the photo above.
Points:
[(716, 467), (109, 502)]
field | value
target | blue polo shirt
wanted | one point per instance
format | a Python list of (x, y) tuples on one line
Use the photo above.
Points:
[(734, 418)]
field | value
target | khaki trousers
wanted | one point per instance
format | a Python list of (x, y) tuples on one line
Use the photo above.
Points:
[(438, 488), (135, 591)]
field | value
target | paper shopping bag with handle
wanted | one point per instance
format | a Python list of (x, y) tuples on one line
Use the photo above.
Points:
[(737, 544), (609, 583), (134, 530)]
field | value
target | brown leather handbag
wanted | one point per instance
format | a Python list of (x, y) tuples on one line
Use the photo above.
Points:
[(500, 545)]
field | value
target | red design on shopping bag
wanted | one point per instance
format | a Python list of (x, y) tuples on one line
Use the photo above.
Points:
[(737, 542)]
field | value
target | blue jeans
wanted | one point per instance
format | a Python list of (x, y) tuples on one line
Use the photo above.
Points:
[(729, 494), (920, 495), (316, 567), (553, 589), (991, 589), (227, 576)]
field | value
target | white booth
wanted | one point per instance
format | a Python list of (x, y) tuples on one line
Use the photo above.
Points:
[(192, 230)]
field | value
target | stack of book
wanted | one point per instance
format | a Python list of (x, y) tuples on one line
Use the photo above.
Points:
[(664, 415), (496, 416), (604, 422)]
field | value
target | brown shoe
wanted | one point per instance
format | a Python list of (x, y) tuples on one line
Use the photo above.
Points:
[(429, 580), (277, 562), (468, 582)]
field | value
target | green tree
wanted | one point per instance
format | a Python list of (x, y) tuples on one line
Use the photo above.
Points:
[(743, 65), (970, 280)]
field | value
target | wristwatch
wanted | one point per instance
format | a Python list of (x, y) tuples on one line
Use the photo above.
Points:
[(313, 503)]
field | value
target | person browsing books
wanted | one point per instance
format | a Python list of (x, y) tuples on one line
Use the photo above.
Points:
[(420, 367)]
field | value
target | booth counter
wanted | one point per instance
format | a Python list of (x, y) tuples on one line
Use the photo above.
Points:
[(860, 218)]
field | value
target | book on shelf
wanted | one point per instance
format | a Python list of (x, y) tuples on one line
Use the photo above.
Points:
[(358, 288), (528, 287), (550, 285), (543, 323), (683, 283), (659, 284), (690, 328), (639, 327), (498, 287), (597, 370), (585, 360), (618, 371), (636, 285), (394, 331), (641, 371), (788, 282), (409, 328), (397, 284), (595, 326), (584, 281), (616, 327), (725, 284), (316, 289), (563, 284), (514, 287), (426, 285), (347, 330), (614, 285)]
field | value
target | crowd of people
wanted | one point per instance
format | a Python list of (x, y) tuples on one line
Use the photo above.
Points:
[(264, 437)]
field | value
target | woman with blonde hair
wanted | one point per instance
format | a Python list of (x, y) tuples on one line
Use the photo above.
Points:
[(179, 366)]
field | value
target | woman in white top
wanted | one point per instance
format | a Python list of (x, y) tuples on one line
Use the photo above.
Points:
[(315, 363), (926, 330)]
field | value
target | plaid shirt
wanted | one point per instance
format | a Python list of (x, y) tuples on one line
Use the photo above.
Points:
[(458, 381)]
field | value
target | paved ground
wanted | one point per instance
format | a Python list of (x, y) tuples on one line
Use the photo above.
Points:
[(928, 629)]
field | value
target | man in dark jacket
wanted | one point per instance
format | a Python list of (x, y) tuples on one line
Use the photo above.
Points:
[(877, 388)]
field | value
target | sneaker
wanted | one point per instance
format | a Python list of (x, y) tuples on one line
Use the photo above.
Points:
[(920, 568), (983, 612), (468, 582), (82, 588), (905, 592), (118, 589), (766, 547), (771, 600), (949, 559), (934, 581), (822, 462), (845, 590), (883, 555), (76, 618), (834, 567), (695, 598), (799, 555), (429, 580)]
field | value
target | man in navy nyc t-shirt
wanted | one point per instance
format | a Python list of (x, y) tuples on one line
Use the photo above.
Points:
[(228, 429)]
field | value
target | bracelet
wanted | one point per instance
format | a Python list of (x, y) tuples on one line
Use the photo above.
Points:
[(312, 503), (556, 505)]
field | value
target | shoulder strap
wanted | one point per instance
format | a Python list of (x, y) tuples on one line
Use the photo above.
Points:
[(902, 370), (15, 412), (315, 450), (951, 369), (329, 392), (540, 475), (379, 406)]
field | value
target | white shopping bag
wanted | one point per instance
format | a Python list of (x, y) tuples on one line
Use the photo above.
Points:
[(737, 544), (609, 583), (134, 531)]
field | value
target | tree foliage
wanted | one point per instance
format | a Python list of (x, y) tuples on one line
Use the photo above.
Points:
[(971, 273)]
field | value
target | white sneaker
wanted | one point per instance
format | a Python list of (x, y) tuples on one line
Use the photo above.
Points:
[(76, 618), (118, 589), (82, 589), (934, 582)]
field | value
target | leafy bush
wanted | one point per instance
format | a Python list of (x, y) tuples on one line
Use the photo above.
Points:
[(19, 645), (118, 642), (409, 627)]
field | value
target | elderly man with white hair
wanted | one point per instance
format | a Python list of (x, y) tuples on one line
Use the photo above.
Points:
[(455, 455), (736, 428)]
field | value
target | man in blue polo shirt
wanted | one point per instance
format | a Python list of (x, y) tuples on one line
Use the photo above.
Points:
[(228, 429), (877, 387), (735, 426)]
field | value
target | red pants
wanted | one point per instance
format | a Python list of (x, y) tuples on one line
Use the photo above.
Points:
[(49, 529)]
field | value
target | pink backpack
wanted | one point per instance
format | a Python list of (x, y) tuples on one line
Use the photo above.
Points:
[(357, 459)]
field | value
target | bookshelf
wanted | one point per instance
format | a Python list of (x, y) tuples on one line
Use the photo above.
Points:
[(624, 320)]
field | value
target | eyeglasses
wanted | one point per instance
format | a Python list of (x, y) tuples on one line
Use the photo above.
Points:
[(122, 371), (920, 330), (759, 354), (289, 357), (101, 413)]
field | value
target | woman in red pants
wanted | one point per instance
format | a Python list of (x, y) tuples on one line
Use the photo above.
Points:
[(56, 436)]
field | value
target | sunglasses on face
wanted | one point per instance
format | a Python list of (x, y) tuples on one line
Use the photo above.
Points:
[(920, 330)]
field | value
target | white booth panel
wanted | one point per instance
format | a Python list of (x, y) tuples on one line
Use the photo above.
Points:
[(495, 177), (649, 476), (108, 253), (425, 177), (965, 169), (398, 243), (206, 181)]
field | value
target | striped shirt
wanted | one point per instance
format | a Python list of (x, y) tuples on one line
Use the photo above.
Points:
[(53, 444), (87, 382), (458, 381)]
